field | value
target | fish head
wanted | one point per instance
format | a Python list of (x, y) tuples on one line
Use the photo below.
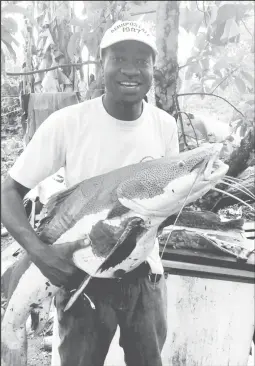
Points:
[(163, 186)]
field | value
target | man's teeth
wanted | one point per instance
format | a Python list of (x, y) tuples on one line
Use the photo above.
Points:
[(129, 84)]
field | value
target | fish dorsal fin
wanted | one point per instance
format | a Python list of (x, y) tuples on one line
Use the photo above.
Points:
[(49, 210)]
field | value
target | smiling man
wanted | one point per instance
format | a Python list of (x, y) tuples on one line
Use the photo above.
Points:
[(88, 139)]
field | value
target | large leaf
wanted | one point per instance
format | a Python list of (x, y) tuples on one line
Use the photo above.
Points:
[(221, 64), (248, 77), (200, 41), (205, 64), (231, 30), (225, 12), (7, 37), (191, 70), (12, 8), (189, 18), (213, 15), (11, 50), (72, 44), (240, 84), (9, 24), (230, 10)]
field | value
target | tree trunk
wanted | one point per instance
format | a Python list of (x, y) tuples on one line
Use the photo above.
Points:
[(166, 71)]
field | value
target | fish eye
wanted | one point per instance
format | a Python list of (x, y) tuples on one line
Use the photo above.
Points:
[(181, 164)]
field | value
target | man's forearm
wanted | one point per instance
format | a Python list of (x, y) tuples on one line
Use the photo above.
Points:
[(16, 222)]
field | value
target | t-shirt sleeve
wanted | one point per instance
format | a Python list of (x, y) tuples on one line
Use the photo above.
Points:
[(171, 136), (44, 155)]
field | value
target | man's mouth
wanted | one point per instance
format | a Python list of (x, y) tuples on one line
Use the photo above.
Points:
[(129, 84)]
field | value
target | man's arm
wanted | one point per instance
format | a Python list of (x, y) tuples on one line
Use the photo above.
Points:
[(14, 215), (53, 261), (44, 155)]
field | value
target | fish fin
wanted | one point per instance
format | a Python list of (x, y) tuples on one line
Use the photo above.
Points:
[(78, 292), (55, 200), (117, 210), (125, 245)]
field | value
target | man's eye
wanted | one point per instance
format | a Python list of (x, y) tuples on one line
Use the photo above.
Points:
[(142, 61), (118, 59)]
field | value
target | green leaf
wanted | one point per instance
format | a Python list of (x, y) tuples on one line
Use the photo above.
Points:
[(214, 84), (248, 77), (12, 8), (225, 12), (11, 50), (200, 41), (189, 18), (231, 30), (224, 84), (240, 85), (191, 70), (7, 37), (72, 44), (221, 64), (243, 130), (10, 24), (205, 64), (196, 88)]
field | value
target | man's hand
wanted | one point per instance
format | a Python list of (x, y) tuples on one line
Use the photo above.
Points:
[(55, 263)]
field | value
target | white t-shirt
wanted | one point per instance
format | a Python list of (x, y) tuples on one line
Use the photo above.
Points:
[(87, 141)]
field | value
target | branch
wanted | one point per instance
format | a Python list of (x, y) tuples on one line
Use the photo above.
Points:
[(175, 100), (50, 68), (198, 7), (143, 12), (15, 110), (225, 78), (213, 95), (246, 27), (204, 14), (187, 115), (192, 62)]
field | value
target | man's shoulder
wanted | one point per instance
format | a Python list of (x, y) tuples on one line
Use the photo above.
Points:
[(73, 114), (74, 109)]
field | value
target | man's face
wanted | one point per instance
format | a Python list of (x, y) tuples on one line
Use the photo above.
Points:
[(128, 71)]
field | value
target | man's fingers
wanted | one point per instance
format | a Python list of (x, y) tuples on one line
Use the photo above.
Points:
[(69, 248)]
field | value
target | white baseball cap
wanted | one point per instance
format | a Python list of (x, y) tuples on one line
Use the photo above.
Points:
[(128, 31)]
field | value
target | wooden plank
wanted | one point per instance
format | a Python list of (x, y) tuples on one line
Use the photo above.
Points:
[(207, 258), (249, 226), (193, 267)]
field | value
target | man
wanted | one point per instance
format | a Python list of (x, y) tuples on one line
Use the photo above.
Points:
[(88, 139), (92, 87)]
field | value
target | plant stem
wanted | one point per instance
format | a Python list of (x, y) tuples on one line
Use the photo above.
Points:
[(50, 68), (225, 78), (246, 27), (212, 95), (187, 115)]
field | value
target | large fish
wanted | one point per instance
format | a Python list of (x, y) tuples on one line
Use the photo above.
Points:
[(119, 214)]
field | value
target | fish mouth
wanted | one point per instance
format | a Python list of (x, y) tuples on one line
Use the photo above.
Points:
[(215, 168), (212, 170)]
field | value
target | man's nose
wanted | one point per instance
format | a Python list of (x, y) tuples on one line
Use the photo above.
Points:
[(130, 70)]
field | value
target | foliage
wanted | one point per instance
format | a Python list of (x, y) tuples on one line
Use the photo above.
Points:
[(216, 26)]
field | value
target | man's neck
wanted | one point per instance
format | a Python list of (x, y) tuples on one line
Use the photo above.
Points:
[(122, 110)]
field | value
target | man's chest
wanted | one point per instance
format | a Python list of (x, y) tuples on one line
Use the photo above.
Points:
[(100, 150)]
